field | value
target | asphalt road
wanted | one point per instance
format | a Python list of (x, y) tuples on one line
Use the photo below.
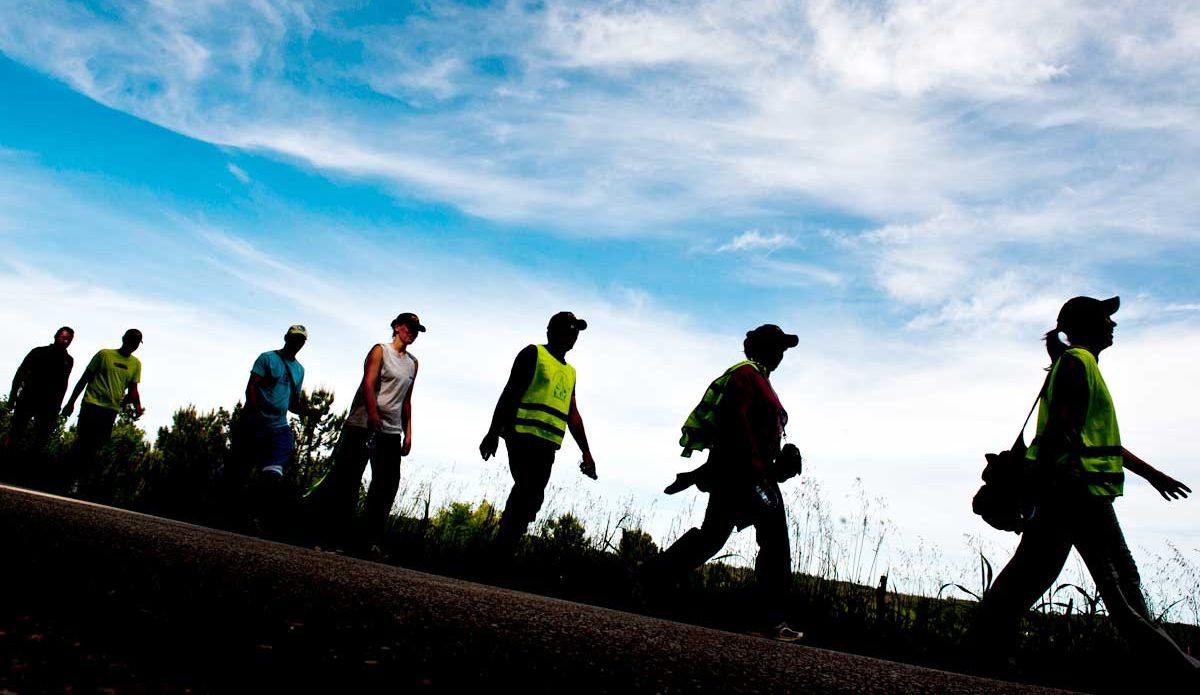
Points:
[(100, 599)]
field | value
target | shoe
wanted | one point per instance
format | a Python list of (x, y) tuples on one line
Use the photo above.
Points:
[(781, 633), (784, 633)]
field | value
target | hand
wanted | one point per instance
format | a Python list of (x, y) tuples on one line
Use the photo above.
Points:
[(374, 422), (406, 446), (588, 466), (68, 409), (487, 448), (1168, 487), (138, 412)]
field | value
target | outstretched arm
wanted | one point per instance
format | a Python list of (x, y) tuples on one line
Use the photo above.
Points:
[(506, 407), (1168, 487), (575, 424)]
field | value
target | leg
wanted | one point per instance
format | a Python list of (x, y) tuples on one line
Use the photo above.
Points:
[(339, 493), (385, 480), (15, 449), (1102, 545), (92, 432), (773, 567), (1035, 565), (695, 547), (276, 445), (530, 465)]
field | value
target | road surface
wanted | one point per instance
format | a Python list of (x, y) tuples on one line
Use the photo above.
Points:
[(96, 598)]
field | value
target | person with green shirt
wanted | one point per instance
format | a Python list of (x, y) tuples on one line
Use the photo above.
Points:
[(1079, 461), (108, 384), (535, 409)]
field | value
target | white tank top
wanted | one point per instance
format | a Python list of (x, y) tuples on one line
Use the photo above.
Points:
[(395, 380)]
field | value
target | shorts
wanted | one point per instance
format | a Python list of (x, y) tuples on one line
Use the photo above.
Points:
[(273, 448)]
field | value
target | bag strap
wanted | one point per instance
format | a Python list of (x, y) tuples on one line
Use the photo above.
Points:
[(1019, 442)]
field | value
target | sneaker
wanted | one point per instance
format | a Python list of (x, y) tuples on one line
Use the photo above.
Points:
[(781, 632), (784, 633)]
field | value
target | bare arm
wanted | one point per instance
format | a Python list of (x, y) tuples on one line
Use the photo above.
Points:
[(84, 380), (372, 366), (575, 425), (406, 411), (252, 393), (1168, 487), (506, 407), (135, 399)]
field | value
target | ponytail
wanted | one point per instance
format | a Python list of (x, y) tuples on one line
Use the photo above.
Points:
[(1055, 347)]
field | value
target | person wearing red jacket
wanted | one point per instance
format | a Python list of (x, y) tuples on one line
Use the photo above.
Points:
[(742, 482)]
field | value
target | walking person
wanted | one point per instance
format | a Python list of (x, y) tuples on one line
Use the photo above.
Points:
[(36, 396), (741, 421), (111, 381), (535, 410), (1079, 462), (379, 430), (274, 388)]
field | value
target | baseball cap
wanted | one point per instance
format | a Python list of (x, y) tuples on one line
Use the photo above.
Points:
[(130, 334), (297, 330), (770, 334), (1079, 310), (408, 319), (565, 319)]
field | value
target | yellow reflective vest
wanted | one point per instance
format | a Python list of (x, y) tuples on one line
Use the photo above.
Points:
[(546, 403), (1098, 456)]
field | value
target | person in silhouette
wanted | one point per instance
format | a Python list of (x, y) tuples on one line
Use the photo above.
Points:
[(535, 409), (275, 387), (36, 396), (111, 381), (1078, 463), (741, 421), (378, 429)]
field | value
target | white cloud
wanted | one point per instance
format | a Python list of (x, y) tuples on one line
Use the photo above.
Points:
[(987, 48), (238, 172), (754, 240), (642, 119)]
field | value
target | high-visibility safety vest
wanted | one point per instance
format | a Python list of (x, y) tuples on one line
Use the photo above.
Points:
[(547, 401), (700, 428), (1100, 462)]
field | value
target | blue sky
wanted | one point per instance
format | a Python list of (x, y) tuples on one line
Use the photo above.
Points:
[(914, 187)]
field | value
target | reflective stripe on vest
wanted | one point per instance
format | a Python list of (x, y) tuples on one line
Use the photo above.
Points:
[(547, 401), (701, 423), (1101, 462)]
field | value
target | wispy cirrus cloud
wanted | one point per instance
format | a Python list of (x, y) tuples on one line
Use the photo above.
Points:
[(970, 142), (754, 240)]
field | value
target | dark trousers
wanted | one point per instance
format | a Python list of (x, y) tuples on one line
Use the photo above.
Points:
[(1088, 523), (28, 434), (530, 460), (341, 496), (93, 430), (731, 507)]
